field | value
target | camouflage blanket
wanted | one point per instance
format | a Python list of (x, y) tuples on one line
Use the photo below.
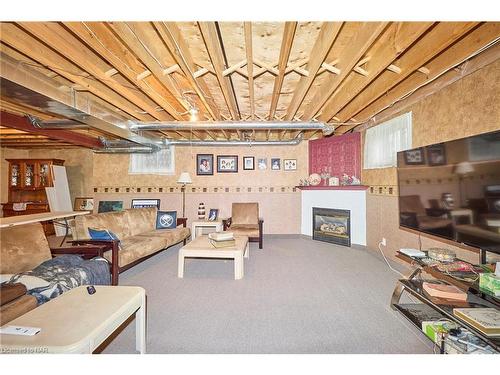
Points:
[(58, 275)]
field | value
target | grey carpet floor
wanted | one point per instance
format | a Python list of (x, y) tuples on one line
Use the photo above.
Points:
[(297, 296)]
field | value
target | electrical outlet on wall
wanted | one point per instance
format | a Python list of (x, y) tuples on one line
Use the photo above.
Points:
[(384, 241)]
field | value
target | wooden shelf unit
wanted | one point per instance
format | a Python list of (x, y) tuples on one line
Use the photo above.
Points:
[(27, 181)]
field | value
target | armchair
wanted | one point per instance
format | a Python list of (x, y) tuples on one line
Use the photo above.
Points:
[(245, 221)]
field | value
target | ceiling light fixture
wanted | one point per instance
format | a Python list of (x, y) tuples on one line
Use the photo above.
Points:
[(193, 114)]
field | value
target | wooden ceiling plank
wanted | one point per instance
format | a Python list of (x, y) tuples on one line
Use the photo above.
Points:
[(396, 38), (92, 34), (286, 48), (22, 123), (247, 26), (319, 52), (216, 54), (366, 35), (19, 40), (55, 36), (468, 45), (434, 42), (130, 33), (178, 48)]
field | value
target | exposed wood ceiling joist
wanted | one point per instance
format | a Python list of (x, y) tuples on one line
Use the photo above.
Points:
[(215, 50), (340, 72)]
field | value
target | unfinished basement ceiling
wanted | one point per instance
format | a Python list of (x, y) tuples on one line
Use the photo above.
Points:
[(339, 73)]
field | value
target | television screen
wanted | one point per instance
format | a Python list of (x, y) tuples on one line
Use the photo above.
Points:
[(452, 190)]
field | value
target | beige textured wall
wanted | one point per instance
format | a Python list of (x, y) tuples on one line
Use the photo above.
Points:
[(464, 108), (112, 170), (278, 202)]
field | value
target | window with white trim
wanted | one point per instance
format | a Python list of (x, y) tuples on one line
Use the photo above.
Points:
[(384, 141), (160, 162)]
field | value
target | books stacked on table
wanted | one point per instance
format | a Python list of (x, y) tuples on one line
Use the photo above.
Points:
[(222, 239), (444, 291)]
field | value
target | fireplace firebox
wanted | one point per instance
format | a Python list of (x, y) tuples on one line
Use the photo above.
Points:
[(332, 225)]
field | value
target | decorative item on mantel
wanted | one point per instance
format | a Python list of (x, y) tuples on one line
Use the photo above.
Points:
[(201, 211), (314, 179), (333, 181)]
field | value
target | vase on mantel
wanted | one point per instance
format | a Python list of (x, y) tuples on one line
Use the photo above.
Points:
[(201, 211)]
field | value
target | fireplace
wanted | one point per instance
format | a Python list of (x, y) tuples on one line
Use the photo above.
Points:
[(332, 225)]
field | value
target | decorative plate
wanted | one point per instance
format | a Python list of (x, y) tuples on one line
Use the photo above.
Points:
[(314, 179)]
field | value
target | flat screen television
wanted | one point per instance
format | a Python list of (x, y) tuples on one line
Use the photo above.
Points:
[(452, 190)]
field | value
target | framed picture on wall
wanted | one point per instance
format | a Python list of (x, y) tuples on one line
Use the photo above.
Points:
[(109, 206), (262, 164), (143, 203), (290, 164), (275, 164), (84, 204), (436, 154), (204, 164), (248, 163), (227, 163), (415, 156)]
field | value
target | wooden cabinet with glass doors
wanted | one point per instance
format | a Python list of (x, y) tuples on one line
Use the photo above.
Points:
[(27, 181)]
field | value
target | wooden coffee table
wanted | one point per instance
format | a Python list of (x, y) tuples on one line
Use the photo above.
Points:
[(201, 247), (77, 322)]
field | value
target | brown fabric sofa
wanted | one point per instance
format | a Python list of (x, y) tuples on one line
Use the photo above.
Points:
[(14, 302), (245, 221), (136, 230), (22, 248)]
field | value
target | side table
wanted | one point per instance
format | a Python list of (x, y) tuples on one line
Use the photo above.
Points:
[(197, 227)]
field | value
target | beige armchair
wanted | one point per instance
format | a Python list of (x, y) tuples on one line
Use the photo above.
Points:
[(245, 221)]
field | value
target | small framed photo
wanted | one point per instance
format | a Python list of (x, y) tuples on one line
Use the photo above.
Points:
[(262, 164), (204, 164), (275, 164), (290, 164), (227, 163), (248, 163), (84, 204), (415, 156), (109, 206), (143, 203), (213, 214), (436, 154)]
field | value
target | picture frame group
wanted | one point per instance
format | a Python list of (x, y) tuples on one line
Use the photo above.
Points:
[(229, 164)]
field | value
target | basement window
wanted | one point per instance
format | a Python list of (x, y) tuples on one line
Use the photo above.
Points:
[(159, 163), (384, 141)]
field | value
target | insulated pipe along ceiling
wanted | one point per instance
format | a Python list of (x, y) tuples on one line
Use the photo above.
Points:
[(233, 125), (125, 147)]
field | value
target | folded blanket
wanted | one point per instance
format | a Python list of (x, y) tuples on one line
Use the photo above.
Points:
[(58, 275)]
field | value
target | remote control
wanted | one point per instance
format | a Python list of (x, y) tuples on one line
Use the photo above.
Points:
[(91, 289), (19, 330)]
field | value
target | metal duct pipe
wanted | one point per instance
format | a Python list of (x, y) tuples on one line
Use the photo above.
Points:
[(292, 142), (126, 150), (234, 125), (125, 147)]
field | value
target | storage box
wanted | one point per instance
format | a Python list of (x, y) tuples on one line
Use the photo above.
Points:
[(490, 282)]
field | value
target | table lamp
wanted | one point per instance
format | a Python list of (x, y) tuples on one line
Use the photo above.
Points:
[(184, 179)]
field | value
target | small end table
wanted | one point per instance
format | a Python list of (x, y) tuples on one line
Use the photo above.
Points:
[(197, 227)]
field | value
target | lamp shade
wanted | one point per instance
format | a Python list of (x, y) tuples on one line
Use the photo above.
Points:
[(464, 168), (184, 178)]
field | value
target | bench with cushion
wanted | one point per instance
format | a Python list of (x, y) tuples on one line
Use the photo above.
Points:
[(137, 234)]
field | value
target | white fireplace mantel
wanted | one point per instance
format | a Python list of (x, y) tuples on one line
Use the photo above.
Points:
[(353, 200)]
